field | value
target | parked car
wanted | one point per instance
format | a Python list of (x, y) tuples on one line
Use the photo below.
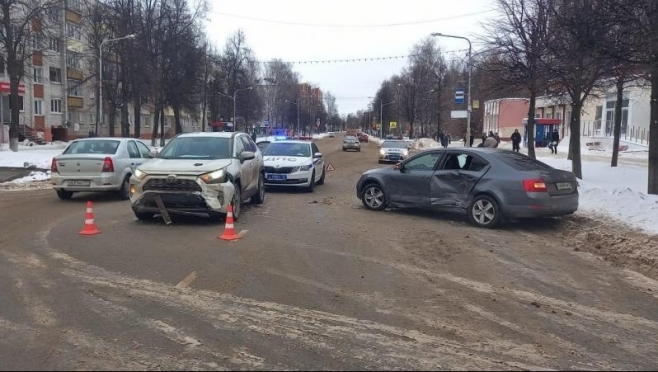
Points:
[(97, 164), (200, 174), (294, 164), (262, 145), (351, 143), (362, 137), (393, 151), (489, 185)]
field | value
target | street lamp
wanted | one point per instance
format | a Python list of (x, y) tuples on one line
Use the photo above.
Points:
[(100, 75), (381, 115), (235, 122), (470, 72), (297, 104)]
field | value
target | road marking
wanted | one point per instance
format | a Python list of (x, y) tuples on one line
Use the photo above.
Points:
[(187, 281)]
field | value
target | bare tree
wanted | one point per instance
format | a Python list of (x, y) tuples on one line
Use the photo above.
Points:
[(21, 31)]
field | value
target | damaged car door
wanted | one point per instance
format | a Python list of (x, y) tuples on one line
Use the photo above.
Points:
[(452, 183), (409, 185)]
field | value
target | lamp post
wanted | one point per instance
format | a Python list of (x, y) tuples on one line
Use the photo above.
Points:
[(381, 115), (297, 104), (235, 122), (100, 75), (470, 72)]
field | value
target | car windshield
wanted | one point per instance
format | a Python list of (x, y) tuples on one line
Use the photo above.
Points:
[(522, 162), (99, 146), (197, 148), (351, 139), (394, 145), (288, 149)]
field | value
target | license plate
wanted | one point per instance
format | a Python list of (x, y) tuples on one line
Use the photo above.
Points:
[(275, 177), (79, 183), (564, 186)]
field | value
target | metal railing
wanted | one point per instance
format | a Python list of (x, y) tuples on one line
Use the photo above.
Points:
[(604, 128)]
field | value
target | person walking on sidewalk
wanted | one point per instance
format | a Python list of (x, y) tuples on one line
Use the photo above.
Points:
[(555, 139), (516, 140)]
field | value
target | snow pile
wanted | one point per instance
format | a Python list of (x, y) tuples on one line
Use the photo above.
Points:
[(425, 143), (33, 176), (40, 157)]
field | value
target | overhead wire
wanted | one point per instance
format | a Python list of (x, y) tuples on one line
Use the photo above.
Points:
[(351, 60)]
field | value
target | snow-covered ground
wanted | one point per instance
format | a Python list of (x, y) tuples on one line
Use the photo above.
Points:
[(605, 192)]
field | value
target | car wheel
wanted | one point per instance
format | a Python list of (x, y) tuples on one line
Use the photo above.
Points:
[(64, 195), (237, 201), (484, 211), (311, 186), (379, 161), (358, 150), (259, 197), (373, 197), (124, 191), (324, 173)]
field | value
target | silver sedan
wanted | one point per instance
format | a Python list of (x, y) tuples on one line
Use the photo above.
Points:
[(97, 164)]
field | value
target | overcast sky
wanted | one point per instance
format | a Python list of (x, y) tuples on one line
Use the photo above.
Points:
[(317, 30)]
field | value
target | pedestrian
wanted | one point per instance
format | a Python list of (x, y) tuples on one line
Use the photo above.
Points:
[(472, 139), (444, 141), (555, 139), (497, 137), (516, 140), (254, 137), (490, 141)]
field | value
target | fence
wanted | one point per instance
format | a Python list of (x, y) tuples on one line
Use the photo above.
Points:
[(604, 128)]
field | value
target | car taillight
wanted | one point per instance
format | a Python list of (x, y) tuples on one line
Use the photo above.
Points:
[(535, 185), (108, 165), (53, 166)]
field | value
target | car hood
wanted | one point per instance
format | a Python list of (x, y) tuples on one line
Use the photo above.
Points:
[(183, 166), (286, 161), (380, 171)]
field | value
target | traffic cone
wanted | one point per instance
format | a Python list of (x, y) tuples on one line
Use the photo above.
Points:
[(229, 230), (90, 226)]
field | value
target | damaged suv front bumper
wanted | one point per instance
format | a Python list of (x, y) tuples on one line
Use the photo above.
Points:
[(180, 195)]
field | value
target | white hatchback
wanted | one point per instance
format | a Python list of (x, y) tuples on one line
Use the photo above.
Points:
[(294, 164)]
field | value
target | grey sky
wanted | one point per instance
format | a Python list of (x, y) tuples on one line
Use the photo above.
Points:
[(295, 39)]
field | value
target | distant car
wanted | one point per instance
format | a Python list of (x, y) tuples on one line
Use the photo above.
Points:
[(489, 185), (331, 135), (294, 164), (200, 174), (351, 143), (97, 164), (362, 137), (393, 151)]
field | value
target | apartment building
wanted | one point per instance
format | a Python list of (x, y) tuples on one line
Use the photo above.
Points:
[(58, 95)]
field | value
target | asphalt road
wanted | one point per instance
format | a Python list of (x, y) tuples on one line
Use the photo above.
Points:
[(317, 282)]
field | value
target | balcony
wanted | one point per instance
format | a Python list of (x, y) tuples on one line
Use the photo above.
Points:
[(76, 102), (73, 73)]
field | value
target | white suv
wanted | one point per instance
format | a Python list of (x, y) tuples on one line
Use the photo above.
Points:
[(200, 174)]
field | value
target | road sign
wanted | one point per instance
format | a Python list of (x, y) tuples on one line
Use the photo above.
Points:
[(459, 96), (330, 168), (379, 126), (393, 124), (458, 114), (476, 104)]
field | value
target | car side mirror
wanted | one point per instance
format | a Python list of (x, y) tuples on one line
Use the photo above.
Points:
[(247, 155), (153, 154), (317, 155), (399, 166)]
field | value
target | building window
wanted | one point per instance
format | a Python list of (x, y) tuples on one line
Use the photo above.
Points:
[(73, 60), (38, 107), (38, 75), (37, 42), (73, 31), (75, 88), (56, 106), (53, 14), (55, 75), (55, 44), (74, 5)]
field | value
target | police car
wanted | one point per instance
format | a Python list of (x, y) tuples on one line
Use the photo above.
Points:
[(294, 164)]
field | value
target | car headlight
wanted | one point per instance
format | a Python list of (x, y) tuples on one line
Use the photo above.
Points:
[(139, 174), (405, 152), (218, 176), (304, 168), (382, 152)]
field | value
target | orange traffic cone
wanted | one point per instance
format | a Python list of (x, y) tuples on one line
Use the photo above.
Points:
[(229, 231), (90, 226)]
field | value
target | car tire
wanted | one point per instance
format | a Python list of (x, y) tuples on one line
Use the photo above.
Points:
[(484, 211), (237, 201), (124, 191), (311, 186), (259, 197), (379, 161), (373, 197), (358, 150), (324, 173), (64, 195)]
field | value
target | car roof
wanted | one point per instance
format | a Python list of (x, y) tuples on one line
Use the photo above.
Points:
[(293, 141), (208, 134), (122, 139)]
